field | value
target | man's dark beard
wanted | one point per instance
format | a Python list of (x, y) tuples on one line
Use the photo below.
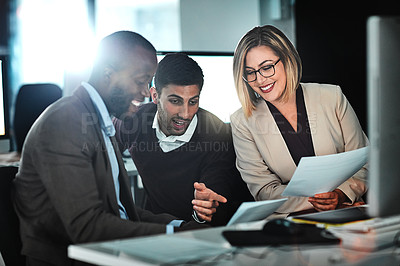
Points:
[(115, 103)]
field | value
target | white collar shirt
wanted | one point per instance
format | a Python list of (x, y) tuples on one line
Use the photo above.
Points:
[(173, 142)]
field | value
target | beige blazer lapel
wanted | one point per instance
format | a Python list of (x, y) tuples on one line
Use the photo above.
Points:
[(318, 120), (264, 123)]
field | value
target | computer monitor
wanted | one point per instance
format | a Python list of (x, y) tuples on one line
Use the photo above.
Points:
[(218, 94), (4, 130), (383, 79)]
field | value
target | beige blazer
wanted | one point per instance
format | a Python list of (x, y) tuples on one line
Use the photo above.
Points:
[(263, 158)]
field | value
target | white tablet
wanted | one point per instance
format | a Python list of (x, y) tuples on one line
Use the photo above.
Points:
[(255, 211)]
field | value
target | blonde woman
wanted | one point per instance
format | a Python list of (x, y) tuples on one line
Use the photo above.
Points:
[(282, 120)]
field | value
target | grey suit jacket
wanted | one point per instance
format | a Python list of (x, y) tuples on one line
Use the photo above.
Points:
[(263, 158), (64, 191)]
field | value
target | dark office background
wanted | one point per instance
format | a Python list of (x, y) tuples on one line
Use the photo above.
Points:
[(331, 40), (4, 23)]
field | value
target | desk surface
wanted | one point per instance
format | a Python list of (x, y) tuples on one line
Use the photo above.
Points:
[(217, 251)]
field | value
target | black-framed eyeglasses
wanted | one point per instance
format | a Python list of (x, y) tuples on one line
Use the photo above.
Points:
[(265, 71)]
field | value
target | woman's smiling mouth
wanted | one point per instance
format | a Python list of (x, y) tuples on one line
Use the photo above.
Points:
[(267, 88)]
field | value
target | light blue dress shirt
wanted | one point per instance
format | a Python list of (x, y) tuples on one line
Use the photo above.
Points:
[(108, 130)]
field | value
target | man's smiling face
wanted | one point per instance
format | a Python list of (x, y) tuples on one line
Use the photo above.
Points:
[(176, 106)]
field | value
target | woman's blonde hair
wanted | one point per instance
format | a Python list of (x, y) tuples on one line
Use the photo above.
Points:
[(275, 39)]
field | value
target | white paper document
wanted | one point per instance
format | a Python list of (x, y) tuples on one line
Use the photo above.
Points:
[(320, 174), (255, 211)]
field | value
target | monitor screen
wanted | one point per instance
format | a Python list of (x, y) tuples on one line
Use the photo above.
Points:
[(383, 79), (3, 98), (218, 94)]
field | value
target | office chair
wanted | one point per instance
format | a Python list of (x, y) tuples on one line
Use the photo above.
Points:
[(31, 101), (10, 241)]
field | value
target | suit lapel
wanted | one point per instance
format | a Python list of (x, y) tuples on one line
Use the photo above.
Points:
[(279, 155), (126, 196), (124, 184), (317, 120)]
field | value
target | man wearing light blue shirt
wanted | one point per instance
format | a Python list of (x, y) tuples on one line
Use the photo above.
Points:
[(72, 186)]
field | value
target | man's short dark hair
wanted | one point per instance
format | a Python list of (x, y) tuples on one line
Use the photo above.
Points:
[(114, 48), (178, 69)]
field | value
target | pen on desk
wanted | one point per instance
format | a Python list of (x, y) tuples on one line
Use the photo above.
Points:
[(322, 225)]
